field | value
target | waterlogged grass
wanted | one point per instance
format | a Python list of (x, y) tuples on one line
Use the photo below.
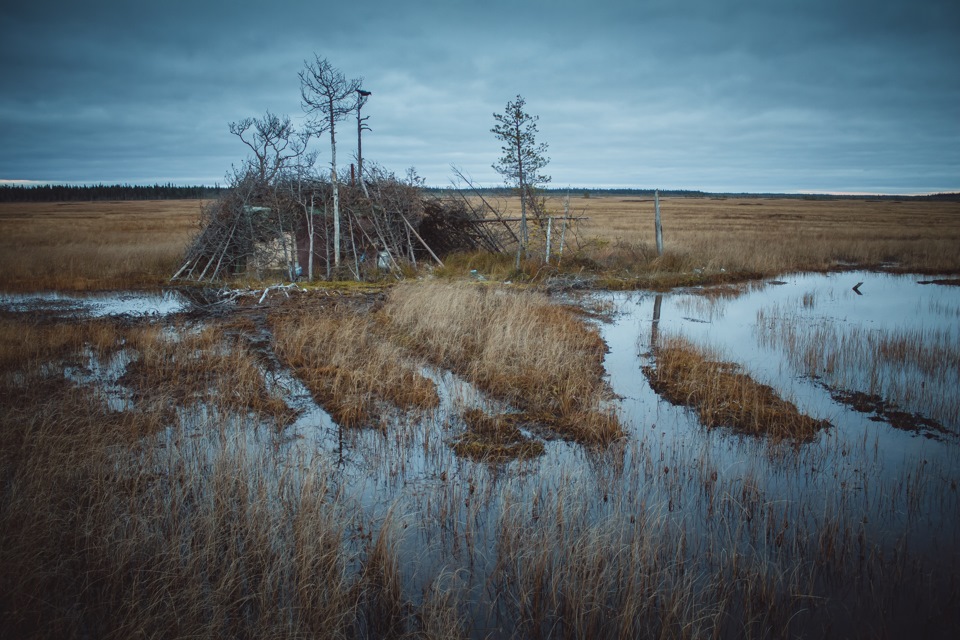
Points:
[(913, 366), (219, 518), (494, 438), (722, 395), (349, 363), (515, 345)]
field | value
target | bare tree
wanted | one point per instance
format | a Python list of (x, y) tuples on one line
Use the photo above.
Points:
[(329, 97), (278, 150), (272, 140), (522, 159)]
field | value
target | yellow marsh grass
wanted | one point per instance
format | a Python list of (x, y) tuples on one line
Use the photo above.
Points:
[(108, 532), (766, 235), (93, 245), (104, 539), (349, 365), (687, 375), (108, 245), (516, 345)]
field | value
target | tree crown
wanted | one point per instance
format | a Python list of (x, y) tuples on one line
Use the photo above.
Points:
[(523, 157)]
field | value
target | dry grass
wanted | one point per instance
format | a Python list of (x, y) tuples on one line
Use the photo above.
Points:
[(184, 367), (78, 246), (494, 438), (88, 246), (158, 520), (348, 364), (144, 522), (515, 345), (199, 525), (759, 236), (722, 396)]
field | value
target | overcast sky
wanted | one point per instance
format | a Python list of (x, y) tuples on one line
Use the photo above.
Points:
[(718, 95)]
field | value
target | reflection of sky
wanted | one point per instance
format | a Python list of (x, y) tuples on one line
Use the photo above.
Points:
[(888, 301), (95, 305)]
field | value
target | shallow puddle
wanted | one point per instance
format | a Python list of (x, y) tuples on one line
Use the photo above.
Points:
[(95, 305)]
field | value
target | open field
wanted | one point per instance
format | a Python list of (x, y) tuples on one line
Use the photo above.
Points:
[(81, 246), (764, 236), (90, 246)]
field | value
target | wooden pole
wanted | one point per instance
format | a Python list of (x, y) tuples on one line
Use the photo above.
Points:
[(549, 232), (659, 229)]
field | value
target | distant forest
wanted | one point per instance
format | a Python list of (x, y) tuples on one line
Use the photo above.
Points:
[(101, 192), (587, 192)]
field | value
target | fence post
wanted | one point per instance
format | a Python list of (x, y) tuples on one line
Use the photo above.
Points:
[(659, 229), (549, 233)]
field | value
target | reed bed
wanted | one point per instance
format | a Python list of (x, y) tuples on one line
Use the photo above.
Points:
[(213, 521), (916, 367), (514, 345), (723, 396), (350, 365), (145, 522), (184, 367)]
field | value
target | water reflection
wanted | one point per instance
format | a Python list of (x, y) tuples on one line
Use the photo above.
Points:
[(95, 305)]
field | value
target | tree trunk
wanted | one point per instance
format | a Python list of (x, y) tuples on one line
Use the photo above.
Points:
[(336, 192), (310, 241), (523, 200)]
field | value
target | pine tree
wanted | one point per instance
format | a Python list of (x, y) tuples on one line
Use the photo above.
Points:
[(522, 160)]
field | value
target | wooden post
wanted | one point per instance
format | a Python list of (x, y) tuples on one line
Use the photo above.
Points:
[(566, 221), (549, 232), (659, 229)]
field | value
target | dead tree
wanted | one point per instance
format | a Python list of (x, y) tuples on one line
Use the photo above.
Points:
[(328, 96)]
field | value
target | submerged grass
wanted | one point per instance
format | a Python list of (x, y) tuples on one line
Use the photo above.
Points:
[(916, 367), (211, 522), (723, 396), (494, 438)]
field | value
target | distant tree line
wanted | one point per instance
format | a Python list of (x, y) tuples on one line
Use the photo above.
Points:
[(100, 192), (588, 192)]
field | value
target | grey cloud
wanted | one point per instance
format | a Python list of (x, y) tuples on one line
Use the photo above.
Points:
[(696, 94)]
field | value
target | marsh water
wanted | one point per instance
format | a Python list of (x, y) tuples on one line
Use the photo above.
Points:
[(94, 305), (863, 494)]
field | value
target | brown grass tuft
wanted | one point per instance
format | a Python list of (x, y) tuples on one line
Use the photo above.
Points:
[(494, 438), (722, 396), (515, 345), (349, 366)]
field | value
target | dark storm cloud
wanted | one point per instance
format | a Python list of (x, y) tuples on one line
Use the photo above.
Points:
[(843, 96)]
